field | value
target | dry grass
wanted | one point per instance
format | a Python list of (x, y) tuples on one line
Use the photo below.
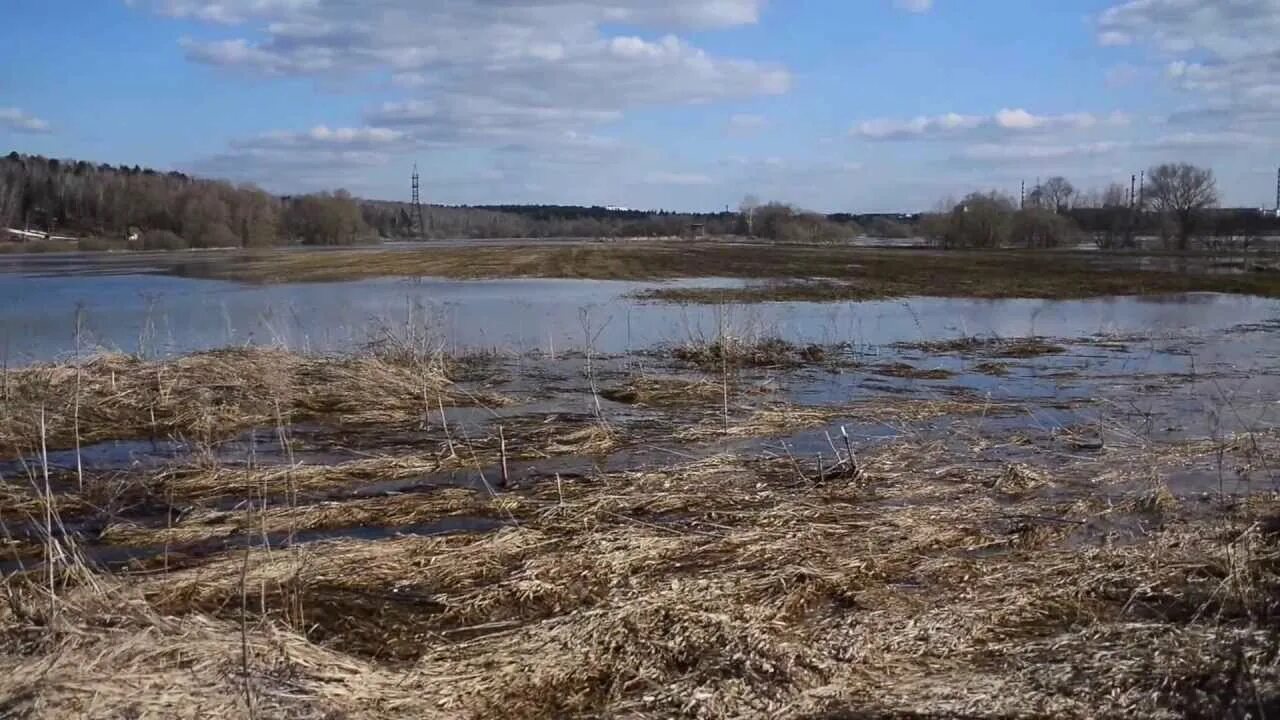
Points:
[(770, 352), (958, 575), (210, 396), (651, 391), (910, 372), (990, 347), (780, 419), (722, 588), (842, 272)]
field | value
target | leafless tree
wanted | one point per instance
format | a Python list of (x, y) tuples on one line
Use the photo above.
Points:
[(1055, 194), (1181, 192)]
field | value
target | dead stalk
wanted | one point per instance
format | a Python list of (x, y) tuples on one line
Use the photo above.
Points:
[(244, 633), (76, 400), (502, 445), (444, 423), (48, 518)]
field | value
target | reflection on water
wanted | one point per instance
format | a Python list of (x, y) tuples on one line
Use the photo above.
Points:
[(123, 307)]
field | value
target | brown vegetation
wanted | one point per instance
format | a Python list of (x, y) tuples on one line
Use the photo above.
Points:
[(210, 396), (727, 587), (842, 272), (933, 574)]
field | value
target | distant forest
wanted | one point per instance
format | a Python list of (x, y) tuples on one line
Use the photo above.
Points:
[(140, 207), (108, 206)]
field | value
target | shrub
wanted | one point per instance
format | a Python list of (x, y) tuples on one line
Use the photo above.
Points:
[(784, 223), (1039, 228), (979, 221)]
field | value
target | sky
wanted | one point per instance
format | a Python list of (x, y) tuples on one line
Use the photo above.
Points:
[(831, 105)]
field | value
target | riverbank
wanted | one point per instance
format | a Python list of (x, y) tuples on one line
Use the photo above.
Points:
[(785, 272)]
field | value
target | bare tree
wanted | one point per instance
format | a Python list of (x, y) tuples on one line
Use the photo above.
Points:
[(1181, 192), (1055, 194)]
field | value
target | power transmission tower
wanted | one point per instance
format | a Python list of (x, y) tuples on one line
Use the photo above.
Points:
[(1277, 193), (419, 225)]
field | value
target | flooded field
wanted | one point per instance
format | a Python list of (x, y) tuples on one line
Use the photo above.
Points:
[(549, 498)]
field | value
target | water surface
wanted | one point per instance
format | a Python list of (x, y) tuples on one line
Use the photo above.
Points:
[(124, 303)]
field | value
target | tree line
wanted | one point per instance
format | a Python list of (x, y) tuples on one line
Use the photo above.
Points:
[(149, 209), (121, 206), (1177, 204)]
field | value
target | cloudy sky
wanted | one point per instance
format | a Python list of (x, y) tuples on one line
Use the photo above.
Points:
[(859, 105)]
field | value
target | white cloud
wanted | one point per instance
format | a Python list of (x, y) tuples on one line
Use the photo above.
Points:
[(914, 6), (1114, 38), (19, 120), (952, 125), (1005, 152), (1001, 152), (321, 136), (1225, 55), (676, 178), (530, 79)]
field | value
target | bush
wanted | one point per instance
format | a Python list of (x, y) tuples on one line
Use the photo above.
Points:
[(784, 223), (1039, 228), (979, 221), (162, 240)]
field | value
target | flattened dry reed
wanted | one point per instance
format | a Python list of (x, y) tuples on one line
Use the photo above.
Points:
[(932, 583), (212, 395)]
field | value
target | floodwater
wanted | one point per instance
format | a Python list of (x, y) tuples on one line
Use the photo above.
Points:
[(1128, 370), (50, 307)]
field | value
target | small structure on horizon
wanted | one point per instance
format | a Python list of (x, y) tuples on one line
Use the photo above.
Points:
[(698, 230)]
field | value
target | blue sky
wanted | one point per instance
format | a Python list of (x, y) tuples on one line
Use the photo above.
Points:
[(856, 105)]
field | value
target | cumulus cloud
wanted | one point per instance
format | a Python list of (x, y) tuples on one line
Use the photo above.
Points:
[(1006, 121), (1225, 55), (530, 79), (19, 120)]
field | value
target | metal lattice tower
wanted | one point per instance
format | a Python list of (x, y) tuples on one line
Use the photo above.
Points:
[(419, 225)]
